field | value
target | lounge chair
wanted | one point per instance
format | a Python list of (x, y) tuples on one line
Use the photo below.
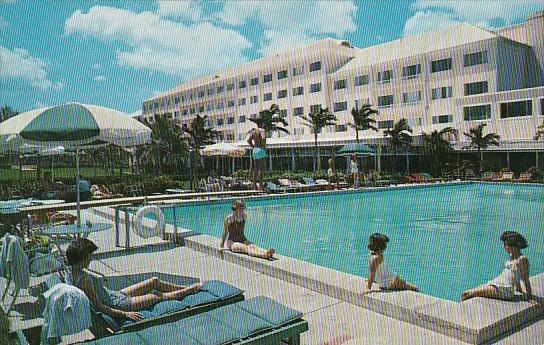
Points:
[(311, 184), (487, 176), (288, 185), (274, 188), (524, 177), (507, 176), (214, 294), (259, 320)]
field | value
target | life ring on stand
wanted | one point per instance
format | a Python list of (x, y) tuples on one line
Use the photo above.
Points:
[(138, 224)]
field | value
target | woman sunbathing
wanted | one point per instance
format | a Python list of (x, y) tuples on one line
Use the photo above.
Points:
[(123, 304), (234, 234)]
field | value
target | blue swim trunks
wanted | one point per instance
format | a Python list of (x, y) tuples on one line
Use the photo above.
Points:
[(259, 153)]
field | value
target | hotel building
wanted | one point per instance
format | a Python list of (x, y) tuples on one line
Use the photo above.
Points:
[(456, 77)]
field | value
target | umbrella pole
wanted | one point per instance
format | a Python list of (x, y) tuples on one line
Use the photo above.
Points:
[(78, 208)]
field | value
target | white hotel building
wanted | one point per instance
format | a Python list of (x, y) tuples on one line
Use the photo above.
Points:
[(459, 76)]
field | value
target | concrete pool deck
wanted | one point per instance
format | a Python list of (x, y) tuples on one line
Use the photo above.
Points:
[(330, 300)]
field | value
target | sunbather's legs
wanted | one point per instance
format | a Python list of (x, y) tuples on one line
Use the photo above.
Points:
[(149, 285), (400, 284), (252, 250), (148, 300), (487, 291)]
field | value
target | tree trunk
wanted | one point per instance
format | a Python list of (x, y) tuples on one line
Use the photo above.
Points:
[(315, 154), (356, 135)]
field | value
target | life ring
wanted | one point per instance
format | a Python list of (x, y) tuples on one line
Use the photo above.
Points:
[(138, 224)]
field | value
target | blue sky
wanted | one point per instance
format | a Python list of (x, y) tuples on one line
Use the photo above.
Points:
[(119, 53)]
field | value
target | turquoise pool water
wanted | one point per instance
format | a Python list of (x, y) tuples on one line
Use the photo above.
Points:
[(444, 239)]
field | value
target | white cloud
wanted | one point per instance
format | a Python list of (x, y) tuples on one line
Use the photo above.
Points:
[(298, 22), (96, 66), (488, 14), (148, 41), (19, 64), (189, 10), (99, 78)]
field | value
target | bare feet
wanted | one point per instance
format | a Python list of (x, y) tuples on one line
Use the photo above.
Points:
[(270, 252), (195, 288)]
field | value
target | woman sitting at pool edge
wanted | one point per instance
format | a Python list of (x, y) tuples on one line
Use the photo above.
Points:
[(379, 271), (233, 233), (123, 304), (516, 269)]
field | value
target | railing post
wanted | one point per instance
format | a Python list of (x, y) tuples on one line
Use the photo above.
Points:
[(127, 229), (175, 225), (117, 226)]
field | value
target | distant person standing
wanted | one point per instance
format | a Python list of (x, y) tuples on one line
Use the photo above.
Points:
[(354, 167), (331, 173), (257, 141)]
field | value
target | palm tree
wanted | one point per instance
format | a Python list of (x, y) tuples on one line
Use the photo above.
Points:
[(539, 133), (399, 137), (7, 112), (317, 120), (437, 145), (480, 141), (199, 135), (362, 120), (269, 119)]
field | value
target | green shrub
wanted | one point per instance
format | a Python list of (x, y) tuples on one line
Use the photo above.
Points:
[(6, 338)]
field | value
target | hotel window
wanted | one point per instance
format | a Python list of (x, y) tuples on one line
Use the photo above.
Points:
[(282, 74), (385, 124), (230, 120), (230, 103), (209, 107), (254, 99), (475, 88), (412, 71), (516, 109), (283, 112), (242, 119), (385, 101), (184, 112), (184, 126), (183, 97), (219, 105), (177, 100), (440, 65), (315, 66), (299, 131), (282, 93), (200, 93), (298, 111), (254, 81), (315, 87), (411, 97), (442, 119), (385, 76), (220, 122), (477, 58), (201, 109), (210, 92), (341, 128), (230, 86), (242, 84), (314, 108), (297, 91), (192, 111), (267, 96), (542, 106), (340, 106), (267, 78), (220, 89), (361, 80), (441, 92), (242, 101), (477, 112), (191, 96), (176, 114), (230, 136), (298, 70), (340, 84)]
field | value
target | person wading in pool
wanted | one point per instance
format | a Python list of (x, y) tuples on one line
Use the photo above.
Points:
[(233, 233), (123, 304), (516, 269), (379, 271), (257, 141)]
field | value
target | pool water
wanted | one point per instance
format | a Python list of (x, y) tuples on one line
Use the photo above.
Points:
[(444, 239)]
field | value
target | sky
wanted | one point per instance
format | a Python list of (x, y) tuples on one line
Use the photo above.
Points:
[(119, 53)]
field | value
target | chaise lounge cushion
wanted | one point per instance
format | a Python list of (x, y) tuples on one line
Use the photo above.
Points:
[(269, 310), (120, 339), (229, 315), (205, 330), (166, 334)]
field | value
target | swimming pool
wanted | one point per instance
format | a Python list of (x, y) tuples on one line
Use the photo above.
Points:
[(444, 238)]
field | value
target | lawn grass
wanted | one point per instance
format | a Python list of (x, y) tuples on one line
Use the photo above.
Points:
[(61, 173)]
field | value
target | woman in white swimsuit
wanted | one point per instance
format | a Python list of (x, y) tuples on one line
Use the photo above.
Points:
[(379, 272), (516, 269)]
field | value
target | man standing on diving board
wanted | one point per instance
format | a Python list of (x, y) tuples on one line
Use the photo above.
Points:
[(257, 141)]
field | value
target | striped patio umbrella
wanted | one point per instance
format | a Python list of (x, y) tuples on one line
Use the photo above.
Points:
[(356, 148), (72, 125)]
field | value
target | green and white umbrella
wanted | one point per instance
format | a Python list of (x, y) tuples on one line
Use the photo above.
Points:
[(72, 125)]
